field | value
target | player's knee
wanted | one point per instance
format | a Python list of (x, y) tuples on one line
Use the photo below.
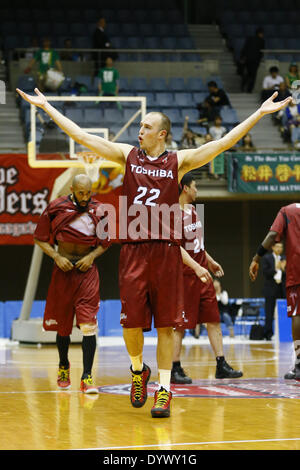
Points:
[(88, 329)]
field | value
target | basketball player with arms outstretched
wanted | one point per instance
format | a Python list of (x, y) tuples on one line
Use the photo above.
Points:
[(151, 269), (70, 222)]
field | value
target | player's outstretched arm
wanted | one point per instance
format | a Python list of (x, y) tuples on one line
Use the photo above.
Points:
[(195, 158), (266, 245), (106, 149)]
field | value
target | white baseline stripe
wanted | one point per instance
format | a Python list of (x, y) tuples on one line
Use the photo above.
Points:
[(179, 444)]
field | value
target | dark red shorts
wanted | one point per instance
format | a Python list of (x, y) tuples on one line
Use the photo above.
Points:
[(71, 294), (151, 285), (200, 302), (293, 300)]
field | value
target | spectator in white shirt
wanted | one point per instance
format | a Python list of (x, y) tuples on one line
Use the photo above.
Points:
[(217, 131), (271, 83)]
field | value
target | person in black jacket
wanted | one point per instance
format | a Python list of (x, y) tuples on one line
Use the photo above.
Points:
[(250, 58), (273, 268), (101, 41)]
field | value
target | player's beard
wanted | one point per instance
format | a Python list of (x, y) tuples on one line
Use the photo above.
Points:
[(81, 208)]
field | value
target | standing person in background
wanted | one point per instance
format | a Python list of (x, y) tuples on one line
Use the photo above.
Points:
[(222, 298), (286, 227), (250, 59), (273, 269), (200, 302), (70, 222), (108, 76), (100, 40)]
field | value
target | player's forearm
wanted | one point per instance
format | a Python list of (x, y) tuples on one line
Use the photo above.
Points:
[(98, 252), (47, 248), (230, 139), (188, 260)]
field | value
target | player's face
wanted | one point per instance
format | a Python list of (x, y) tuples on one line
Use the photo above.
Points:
[(150, 133), (192, 191), (82, 196)]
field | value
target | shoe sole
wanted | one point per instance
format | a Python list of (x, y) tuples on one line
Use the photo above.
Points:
[(228, 376), (90, 391), (64, 388), (138, 404), (160, 414)]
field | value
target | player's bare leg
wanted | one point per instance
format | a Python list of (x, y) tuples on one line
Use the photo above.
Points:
[(140, 372), (164, 354), (178, 376), (223, 370), (295, 372)]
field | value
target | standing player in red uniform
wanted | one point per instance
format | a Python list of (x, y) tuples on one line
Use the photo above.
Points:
[(150, 181), (200, 302), (70, 222), (286, 226)]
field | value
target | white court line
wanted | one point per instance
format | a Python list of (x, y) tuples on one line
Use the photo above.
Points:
[(179, 444)]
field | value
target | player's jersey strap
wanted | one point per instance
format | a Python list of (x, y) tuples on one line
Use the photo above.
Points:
[(150, 208)]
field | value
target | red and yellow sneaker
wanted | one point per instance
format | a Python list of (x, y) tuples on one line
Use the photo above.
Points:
[(63, 378), (86, 385), (162, 400), (138, 393)]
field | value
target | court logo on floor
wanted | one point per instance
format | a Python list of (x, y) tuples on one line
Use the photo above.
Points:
[(225, 388)]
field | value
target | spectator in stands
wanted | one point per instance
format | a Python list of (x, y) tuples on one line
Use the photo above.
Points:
[(171, 144), (271, 83), (247, 144), (290, 123), (189, 139), (223, 304), (251, 55), (101, 41), (213, 103), (292, 76), (108, 81), (217, 131), (47, 58), (283, 92), (69, 54)]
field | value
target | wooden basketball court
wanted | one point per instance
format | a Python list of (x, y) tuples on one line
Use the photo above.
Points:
[(259, 411)]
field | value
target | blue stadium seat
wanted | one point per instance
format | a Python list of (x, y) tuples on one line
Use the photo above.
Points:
[(184, 99), (139, 84), (176, 84), (93, 117), (185, 43), (82, 42), (60, 29), (128, 113), (174, 114), (76, 29), (193, 115), (177, 132), (168, 43), (199, 97), (26, 83), (146, 29), (134, 42), (229, 116), (113, 116), (164, 99), (128, 29), (178, 30), (75, 115), (124, 84), (195, 84), (152, 42), (164, 30), (86, 80), (158, 84), (150, 98)]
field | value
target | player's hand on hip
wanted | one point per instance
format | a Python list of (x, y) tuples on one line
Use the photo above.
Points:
[(38, 100), (63, 263), (84, 263)]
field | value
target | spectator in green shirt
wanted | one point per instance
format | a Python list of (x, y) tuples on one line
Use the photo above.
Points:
[(46, 58), (108, 79)]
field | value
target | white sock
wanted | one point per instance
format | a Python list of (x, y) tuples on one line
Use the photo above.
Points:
[(136, 363), (164, 379)]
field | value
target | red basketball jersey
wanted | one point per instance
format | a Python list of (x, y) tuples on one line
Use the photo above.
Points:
[(151, 210), (192, 237), (287, 225)]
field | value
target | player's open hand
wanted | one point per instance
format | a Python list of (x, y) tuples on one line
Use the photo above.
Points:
[(253, 270), (215, 268), (269, 106), (38, 99)]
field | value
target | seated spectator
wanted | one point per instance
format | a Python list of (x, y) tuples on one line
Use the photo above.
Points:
[(222, 298), (290, 120), (213, 103), (69, 55), (292, 76), (271, 83), (217, 131), (247, 144), (171, 145), (283, 92), (190, 139), (47, 58)]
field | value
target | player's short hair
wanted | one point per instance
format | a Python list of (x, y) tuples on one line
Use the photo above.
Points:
[(165, 122), (186, 180)]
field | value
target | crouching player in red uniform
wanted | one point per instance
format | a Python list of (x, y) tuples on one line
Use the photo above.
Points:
[(70, 222), (200, 303)]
